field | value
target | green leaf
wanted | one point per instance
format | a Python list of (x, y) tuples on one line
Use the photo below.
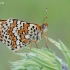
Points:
[(64, 49), (42, 59), (42, 63), (55, 43), (43, 54), (58, 63), (66, 53)]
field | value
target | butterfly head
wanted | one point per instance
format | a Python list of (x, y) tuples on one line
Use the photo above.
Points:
[(44, 27)]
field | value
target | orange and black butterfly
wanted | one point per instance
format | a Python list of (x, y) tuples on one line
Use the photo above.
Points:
[(17, 33)]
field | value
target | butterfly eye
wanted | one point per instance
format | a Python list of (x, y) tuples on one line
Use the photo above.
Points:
[(43, 26)]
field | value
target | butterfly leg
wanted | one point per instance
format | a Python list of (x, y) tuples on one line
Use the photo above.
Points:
[(46, 43), (30, 46), (45, 35), (35, 43)]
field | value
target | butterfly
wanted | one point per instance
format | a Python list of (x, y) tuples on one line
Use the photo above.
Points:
[(16, 33)]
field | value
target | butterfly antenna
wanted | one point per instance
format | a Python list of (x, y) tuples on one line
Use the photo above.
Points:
[(44, 15)]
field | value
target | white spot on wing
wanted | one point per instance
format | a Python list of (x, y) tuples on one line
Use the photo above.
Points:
[(27, 36), (14, 29), (17, 42), (9, 21), (31, 26)]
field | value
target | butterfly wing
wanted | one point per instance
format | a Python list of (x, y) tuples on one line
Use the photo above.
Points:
[(14, 33)]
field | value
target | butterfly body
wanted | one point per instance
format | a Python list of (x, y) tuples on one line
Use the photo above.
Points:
[(17, 34)]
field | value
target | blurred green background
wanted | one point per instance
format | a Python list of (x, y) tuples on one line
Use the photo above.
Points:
[(33, 11)]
